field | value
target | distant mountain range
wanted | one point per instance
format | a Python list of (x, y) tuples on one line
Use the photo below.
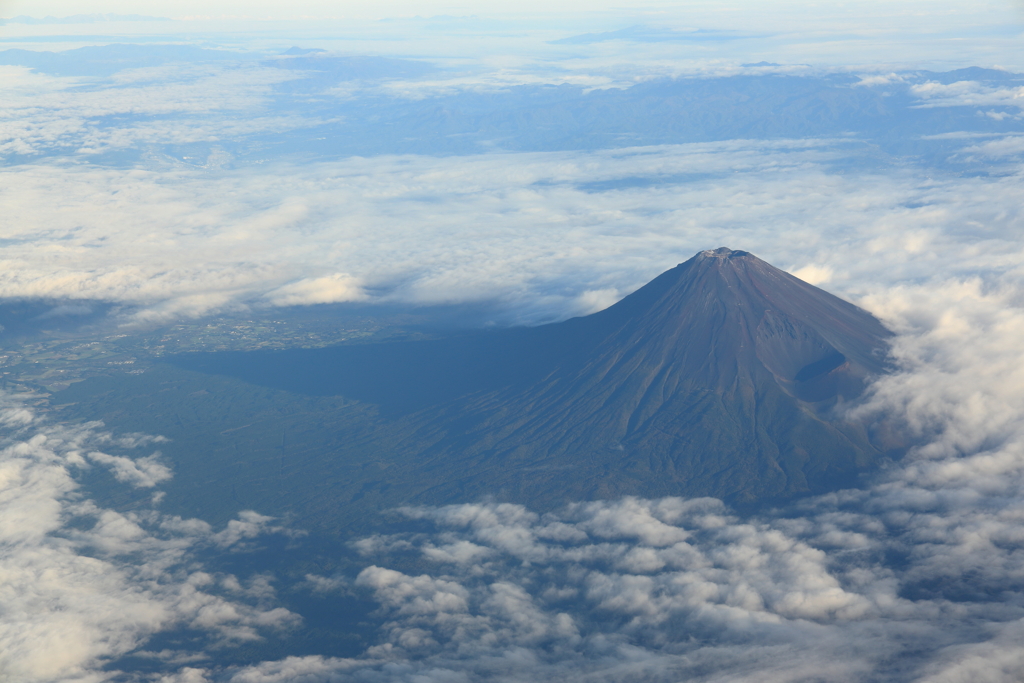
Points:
[(723, 377), (875, 120)]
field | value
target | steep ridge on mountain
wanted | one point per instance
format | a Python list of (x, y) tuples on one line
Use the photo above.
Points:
[(720, 377)]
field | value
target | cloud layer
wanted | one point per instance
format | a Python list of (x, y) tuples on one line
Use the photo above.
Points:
[(167, 225), (529, 230), (82, 585), (917, 576)]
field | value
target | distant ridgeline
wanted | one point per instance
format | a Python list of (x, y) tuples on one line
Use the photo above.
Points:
[(721, 377)]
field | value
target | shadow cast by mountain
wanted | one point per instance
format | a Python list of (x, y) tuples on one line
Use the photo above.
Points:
[(401, 377)]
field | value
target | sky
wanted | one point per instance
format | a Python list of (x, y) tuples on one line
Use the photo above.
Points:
[(541, 160)]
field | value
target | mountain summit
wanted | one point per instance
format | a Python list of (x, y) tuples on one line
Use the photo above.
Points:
[(726, 315)]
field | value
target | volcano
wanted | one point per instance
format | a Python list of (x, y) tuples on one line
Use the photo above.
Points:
[(723, 377)]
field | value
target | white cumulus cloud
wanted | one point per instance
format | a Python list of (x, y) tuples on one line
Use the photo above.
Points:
[(74, 596)]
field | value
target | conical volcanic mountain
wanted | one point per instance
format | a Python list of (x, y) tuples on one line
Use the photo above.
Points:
[(720, 377), (724, 376)]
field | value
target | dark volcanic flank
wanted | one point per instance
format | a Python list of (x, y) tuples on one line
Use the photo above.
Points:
[(720, 377), (723, 376)]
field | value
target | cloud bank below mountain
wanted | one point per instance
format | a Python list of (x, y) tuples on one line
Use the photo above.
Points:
[(916, 576)]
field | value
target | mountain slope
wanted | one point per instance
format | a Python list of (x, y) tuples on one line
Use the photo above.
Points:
[(723, 376), (719, 377)]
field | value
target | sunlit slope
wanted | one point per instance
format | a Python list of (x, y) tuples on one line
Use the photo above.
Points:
[(723, 376)]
